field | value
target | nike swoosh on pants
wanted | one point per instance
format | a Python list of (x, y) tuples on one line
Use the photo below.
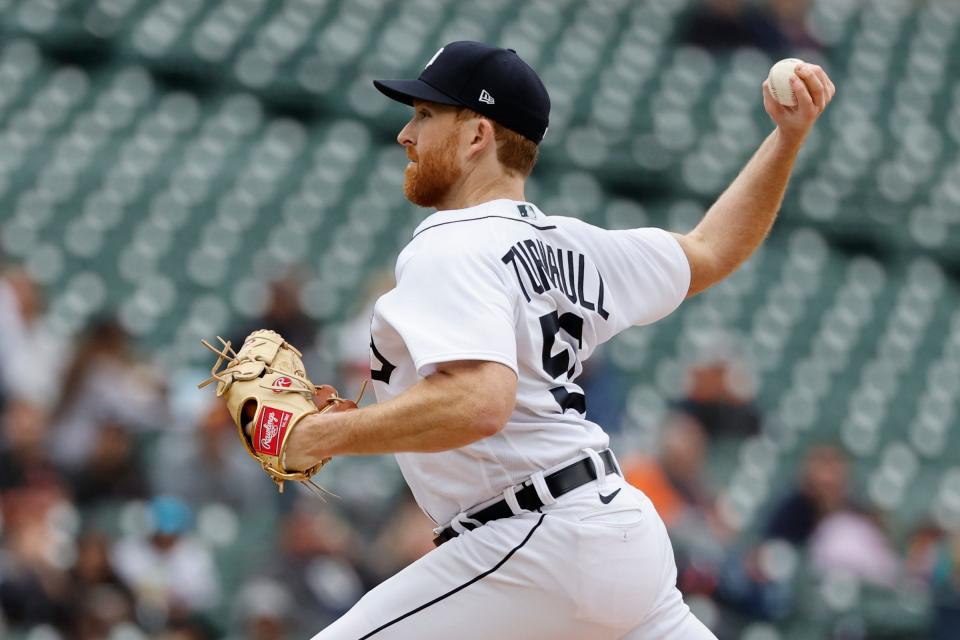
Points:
[(606, 499)]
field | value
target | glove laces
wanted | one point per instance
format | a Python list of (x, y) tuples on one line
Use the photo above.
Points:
[(231, 361)]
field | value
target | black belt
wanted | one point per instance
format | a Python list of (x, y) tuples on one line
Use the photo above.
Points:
[(559, 482)]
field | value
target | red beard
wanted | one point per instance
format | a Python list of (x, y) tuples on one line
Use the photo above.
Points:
[(428, 181)]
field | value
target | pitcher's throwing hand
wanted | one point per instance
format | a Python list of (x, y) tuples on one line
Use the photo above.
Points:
[(813, 90)]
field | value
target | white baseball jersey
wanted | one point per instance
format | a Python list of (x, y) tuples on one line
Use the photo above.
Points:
[(503, 282)]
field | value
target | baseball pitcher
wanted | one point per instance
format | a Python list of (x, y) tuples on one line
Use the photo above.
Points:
[(475, 356)]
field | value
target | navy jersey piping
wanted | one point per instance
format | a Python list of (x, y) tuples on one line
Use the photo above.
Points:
[(465, 584), (440, 224)]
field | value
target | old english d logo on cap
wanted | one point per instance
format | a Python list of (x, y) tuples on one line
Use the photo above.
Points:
[(435, 56)]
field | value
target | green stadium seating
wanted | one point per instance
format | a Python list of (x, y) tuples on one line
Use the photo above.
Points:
[(191, 151)]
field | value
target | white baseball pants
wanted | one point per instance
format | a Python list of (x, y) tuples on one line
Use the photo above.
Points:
[(579, 569)]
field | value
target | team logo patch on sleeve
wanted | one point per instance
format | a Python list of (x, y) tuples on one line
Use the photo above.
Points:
[(271, 428)]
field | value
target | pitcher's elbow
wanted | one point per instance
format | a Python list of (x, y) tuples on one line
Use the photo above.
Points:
[(487, 426)]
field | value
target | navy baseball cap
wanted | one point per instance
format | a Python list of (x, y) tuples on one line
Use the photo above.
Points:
[(492, 81)]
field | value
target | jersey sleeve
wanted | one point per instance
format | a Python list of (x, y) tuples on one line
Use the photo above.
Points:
[(648, 271), (453, 304)]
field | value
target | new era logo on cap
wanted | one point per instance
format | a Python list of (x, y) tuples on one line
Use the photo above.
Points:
[(486, 97)]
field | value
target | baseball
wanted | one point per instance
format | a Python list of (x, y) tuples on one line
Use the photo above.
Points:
[(779, 78)]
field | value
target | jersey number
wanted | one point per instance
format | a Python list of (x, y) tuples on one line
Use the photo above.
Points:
[(559, 365)]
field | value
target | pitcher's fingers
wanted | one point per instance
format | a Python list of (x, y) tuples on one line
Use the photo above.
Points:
[(804, 99), (818, 92), (825, 79)]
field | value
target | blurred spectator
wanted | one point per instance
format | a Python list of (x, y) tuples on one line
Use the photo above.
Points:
[(284, 314), (210, 465), (720, 396), (944, 577), (822, 490), (730, 24), (791, 18), (933, 556), (855, 544), (113, 470), (674, 480), (104, 384), (405, 538), (24, 455), (266, 607), (677, 485), (190, 628), (817, 517), (101, 600), (602, 388), (319, 563), (923, 546), (171, 572), (34, 588), (30, 360)]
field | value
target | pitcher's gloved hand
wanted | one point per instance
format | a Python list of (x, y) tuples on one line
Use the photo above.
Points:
[(268, 394)]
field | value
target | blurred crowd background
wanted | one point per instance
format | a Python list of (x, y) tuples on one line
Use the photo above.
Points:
[(171, 170)]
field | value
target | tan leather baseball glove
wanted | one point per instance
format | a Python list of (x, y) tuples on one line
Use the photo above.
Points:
[(268, 393)]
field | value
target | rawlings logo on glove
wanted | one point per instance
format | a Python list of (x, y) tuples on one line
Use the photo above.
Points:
[(273, 422), (268, 393)]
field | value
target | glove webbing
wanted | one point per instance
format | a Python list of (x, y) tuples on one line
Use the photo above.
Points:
[(228, 355)]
